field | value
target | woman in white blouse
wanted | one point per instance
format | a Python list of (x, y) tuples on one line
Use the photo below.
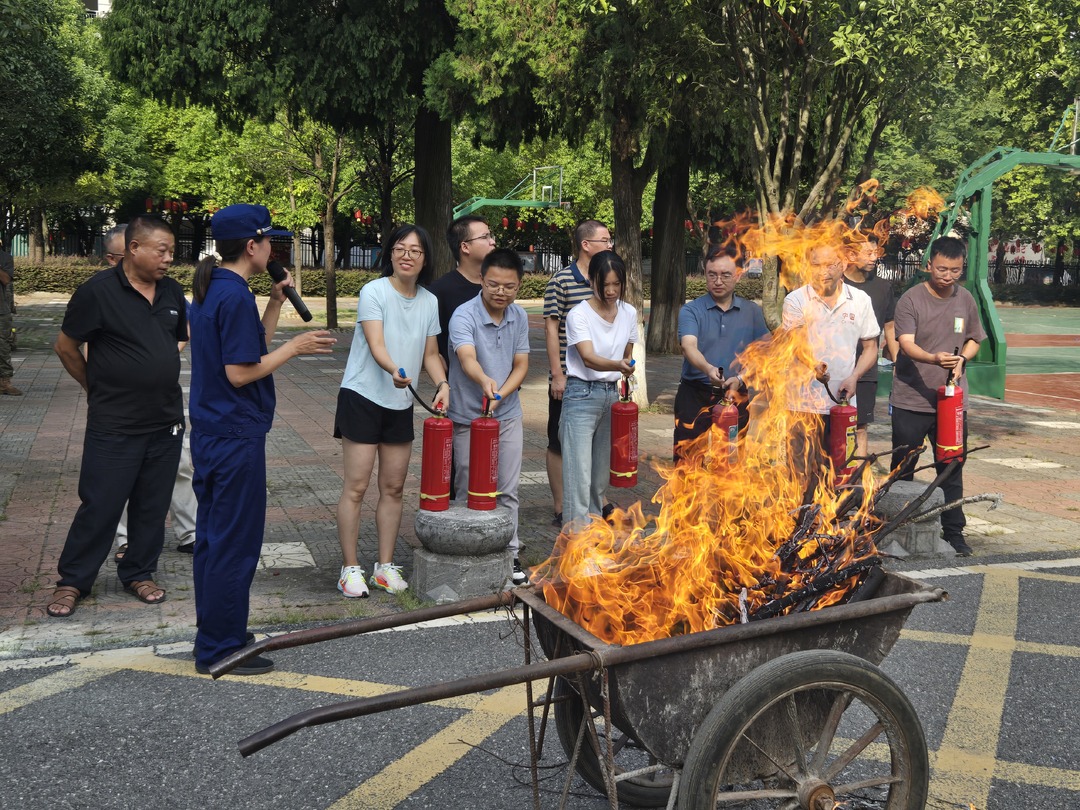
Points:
[(600, 334)]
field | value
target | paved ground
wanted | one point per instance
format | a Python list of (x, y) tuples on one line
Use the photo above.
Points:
[(1031, 462), (991, 672)]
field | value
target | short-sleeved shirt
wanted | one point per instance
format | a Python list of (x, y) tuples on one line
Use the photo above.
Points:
[(133, 365), (720, 335), (608, 339), (938, 325), (226, 330), (883, 299), (7, 265), (834, 333), (564, 291), (407, 323), (452, 290), (496, 344)]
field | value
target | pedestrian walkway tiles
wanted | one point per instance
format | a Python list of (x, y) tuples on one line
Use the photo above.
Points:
[(985, 745), (286, 555)]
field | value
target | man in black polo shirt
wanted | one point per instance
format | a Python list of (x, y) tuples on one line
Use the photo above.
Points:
[(132, 319)]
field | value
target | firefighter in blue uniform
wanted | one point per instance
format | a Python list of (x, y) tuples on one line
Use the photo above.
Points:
[(232, 407)]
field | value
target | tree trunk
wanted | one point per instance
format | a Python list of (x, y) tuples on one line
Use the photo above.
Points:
[(328, 266), (772, 293), (36, 236), (669, 246), (297, 262), (1059, 264), (627, 185), (431, 184)]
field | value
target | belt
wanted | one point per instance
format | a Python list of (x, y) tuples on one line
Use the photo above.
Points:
[(700, 386)]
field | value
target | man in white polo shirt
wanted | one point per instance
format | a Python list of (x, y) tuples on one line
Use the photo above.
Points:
[(838, 319)]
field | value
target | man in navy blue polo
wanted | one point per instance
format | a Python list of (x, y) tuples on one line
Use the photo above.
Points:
[(713, 329), (132, 319)]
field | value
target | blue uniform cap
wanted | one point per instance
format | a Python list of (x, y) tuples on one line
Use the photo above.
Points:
[(244, 221)]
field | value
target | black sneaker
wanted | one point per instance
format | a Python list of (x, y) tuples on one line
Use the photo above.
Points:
[(960, 546), (249, 639), (519, 577), (253, 666), (557, 520)]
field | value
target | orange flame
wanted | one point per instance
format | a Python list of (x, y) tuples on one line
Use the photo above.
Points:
[(716, 551)]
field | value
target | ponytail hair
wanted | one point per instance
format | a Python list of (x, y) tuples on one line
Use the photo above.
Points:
[(229, 250)]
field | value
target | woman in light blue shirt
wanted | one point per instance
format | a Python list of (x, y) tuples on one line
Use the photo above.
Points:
[(397, 321)]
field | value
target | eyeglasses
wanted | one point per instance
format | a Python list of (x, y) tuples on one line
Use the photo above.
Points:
[(402, 252), (487, 236), (113, 255), (609, 241), (506, 288)]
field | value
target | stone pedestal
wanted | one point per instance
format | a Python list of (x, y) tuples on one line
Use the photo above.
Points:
[(464, 553), (913, 539)]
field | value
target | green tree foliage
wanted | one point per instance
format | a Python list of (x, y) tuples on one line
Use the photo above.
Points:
[(51, 92)]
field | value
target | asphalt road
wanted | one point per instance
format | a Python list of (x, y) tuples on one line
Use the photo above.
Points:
[(993, 674)]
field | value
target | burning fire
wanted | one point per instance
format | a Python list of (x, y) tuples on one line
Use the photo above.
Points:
[(731, 541)]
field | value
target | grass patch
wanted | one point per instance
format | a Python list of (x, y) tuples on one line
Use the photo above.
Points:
[(407, 600), (32, 586)]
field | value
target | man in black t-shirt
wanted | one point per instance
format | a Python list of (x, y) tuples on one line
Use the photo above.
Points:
[(860, 273), (470, 241), (132, 319)]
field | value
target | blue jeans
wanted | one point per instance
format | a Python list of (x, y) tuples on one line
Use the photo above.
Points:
[(585, 434)]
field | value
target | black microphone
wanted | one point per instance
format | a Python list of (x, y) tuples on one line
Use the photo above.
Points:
[(277, 273)]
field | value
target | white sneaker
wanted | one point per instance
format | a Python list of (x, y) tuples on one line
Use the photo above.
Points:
[(388, 577), (352, 583)]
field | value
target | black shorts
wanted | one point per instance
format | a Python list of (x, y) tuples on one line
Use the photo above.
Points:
[(360, 420), (554, 415), (866, 399)]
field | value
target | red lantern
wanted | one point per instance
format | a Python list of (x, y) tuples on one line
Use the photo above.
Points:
[(1037, 248), (368, 220), (183, 207), (505, 222), (358, 215), (149, 204), (519, 225), (650, 233), (689, 225), (536, 226)]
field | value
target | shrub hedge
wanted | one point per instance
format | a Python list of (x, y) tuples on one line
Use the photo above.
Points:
[(57, 277), (65, 277)]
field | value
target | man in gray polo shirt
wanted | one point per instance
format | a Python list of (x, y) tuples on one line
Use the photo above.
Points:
[(489, 357)]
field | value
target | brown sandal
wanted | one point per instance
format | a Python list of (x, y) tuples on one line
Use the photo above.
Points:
[(63, 601), (146, 590)]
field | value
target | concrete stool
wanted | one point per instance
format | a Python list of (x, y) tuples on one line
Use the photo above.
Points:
[(913, 539), (464, 553)]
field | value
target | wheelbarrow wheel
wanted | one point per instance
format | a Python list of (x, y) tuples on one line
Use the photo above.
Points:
[(811, 730), (648, 790)]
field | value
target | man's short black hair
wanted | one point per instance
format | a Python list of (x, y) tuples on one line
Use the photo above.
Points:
[(143, 226), (585, 230), (718, 251), (950, 247), (505, 259), (458, 232)]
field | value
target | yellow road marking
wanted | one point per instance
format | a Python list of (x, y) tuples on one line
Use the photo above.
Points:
[(964, 764), (48, 685), (402, 778), (1033, 647)]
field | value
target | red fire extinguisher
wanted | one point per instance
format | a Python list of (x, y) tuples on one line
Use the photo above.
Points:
[(949, 437), (435, 463), (843, 420), (484, 459), (725, 420), (624, 439)]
